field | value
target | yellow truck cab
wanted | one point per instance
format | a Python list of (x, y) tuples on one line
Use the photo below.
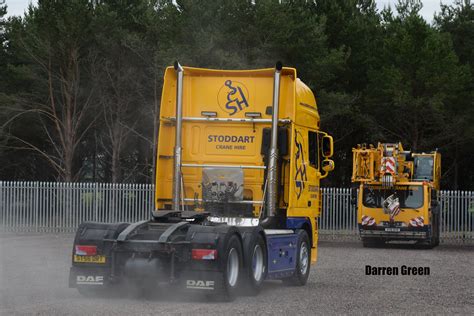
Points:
[(397, 194), (240, 156)]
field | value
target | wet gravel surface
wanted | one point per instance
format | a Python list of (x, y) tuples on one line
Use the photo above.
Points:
[(34, 276)]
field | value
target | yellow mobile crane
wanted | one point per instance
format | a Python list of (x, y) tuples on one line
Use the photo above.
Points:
[(397, 194)]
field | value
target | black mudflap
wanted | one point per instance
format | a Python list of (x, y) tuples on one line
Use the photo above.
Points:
[(206, 282), (88, 277)]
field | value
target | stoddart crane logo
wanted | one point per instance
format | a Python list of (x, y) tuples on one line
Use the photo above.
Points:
[(233, 97), (300, 165)]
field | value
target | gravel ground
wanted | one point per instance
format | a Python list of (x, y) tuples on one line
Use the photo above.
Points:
[(34, 273)]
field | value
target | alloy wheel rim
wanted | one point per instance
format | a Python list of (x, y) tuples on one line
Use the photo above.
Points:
[(304, 258), (232, 267), (257, 263)]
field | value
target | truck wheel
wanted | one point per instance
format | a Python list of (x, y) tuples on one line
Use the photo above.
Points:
[(255, 266), (303, 261), (232, 263)]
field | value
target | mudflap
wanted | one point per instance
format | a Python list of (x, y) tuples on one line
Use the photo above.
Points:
[(203, 276), (205, 282), (93, 277)]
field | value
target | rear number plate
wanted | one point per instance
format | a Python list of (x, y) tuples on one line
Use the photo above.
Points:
[(91, 259), (392, 229)]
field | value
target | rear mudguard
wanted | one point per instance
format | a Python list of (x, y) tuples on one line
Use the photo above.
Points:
[(92, 233)]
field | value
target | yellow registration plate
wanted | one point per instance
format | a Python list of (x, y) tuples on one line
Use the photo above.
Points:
[(91, 259)]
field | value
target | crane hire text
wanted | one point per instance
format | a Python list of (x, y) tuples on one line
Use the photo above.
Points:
[(237, 140)]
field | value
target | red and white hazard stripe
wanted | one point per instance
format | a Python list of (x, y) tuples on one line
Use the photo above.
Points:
[(388, 165), (417, 221), (367, 221), (395, 211)]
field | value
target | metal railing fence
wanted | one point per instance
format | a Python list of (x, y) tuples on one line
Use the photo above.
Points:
[(339, 217), (457, 216), (61, 207)]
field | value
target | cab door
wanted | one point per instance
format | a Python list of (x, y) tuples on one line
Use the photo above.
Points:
[(305, 173)]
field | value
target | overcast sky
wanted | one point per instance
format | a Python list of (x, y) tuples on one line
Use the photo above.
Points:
[(18, 7)]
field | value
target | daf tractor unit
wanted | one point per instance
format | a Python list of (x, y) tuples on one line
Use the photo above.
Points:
[(239, 162), (397, 194)]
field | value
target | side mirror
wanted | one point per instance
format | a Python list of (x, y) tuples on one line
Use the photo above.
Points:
[(327, 147), (327, 165)]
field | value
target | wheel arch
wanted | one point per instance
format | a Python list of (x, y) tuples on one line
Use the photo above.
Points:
[(301, 223), (248, 235), (307, 228)]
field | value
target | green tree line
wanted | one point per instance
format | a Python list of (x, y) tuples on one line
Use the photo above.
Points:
[(80, 80)]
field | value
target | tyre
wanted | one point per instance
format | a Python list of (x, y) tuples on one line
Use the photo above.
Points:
[(428, 243), (437, 229), (255, 265), (232, 268), (436, 222), (303, 261), (372, 242), (433, 240)]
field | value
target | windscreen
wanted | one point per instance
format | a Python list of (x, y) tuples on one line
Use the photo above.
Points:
[(409, 196), (424, 168)]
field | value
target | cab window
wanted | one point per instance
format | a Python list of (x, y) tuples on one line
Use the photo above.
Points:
[(409, 196), (313, 149), (424, 168)]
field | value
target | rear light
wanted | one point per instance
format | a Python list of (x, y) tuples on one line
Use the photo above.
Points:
[(204, 254), (86, 250)]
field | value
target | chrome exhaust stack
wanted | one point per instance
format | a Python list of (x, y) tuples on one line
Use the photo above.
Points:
[(272, 173), (178, 131)]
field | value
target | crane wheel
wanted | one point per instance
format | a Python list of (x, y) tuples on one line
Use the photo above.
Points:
[(372, 242), (433, 240), (438, 229), (303, 261), (255, 263), (428, 243)]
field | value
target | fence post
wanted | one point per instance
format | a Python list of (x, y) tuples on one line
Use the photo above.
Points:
[(96, 201), (2, 207), (36, 206)]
